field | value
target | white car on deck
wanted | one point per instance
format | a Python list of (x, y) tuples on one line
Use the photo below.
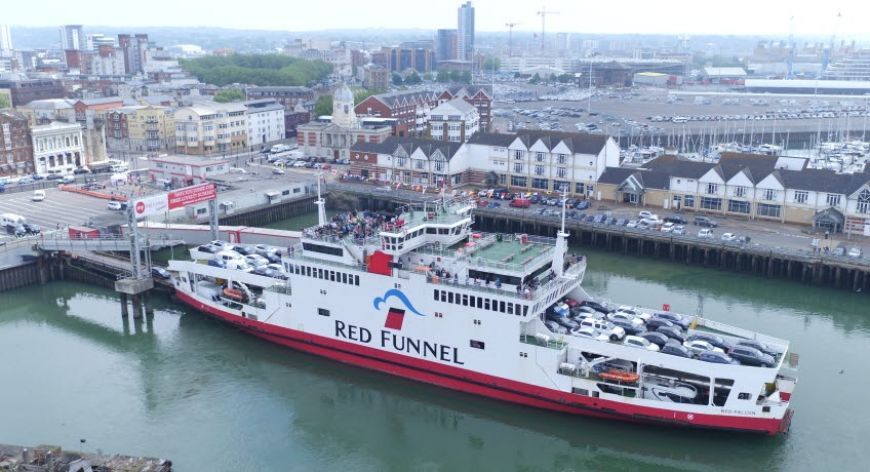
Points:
[(698, 346), (640, 343)]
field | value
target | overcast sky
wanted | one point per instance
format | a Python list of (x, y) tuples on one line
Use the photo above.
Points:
[(767, 17)]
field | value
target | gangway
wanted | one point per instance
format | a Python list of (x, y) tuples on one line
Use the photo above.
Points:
[(62, 242)]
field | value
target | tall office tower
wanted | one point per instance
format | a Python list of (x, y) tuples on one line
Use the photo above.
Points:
[(465, 39), (72, 37), (5, 38), (445, 44)]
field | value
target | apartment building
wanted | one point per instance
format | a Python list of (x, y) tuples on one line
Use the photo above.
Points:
[(455, 121), (410, 161), (142, 128), (265, 120), (745, 185), (208, 128), (16, 148), (410, 109)]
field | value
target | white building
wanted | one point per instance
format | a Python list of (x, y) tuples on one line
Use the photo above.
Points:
[(265, 120), (57, 148), (180, 171), (5, 39), (209, 127), (455, 121)]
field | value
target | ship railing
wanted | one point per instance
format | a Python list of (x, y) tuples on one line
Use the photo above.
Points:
[(550, 343), (281, 287)]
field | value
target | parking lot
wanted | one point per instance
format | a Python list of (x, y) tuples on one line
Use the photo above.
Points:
[(59, 208)]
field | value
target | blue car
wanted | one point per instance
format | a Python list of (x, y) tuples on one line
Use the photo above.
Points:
[(581, 205), (673, 318), (676, 349), (716, 357)]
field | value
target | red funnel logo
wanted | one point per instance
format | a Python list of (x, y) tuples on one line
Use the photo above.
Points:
[(395, 317), (140, 207)]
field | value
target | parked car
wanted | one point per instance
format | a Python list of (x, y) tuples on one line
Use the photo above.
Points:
[(706, 222), (160, 273), (256, 260), (706, 233), (115, 206), (591, 333), (676, 219), (698, 345), (68, 179), (631, 224), (582, 205), (658, 339), (520, 203), (728, 237), (16, 230), (751, 356), (629, 326), (674, 318), (855, 252), (244, 250), (640, 343), (757, 345), (672, 332), (31, 228), (656, 323), (208, 248), (556, 327), (38, 196), (713, 339), (668, 227), (676, 349), (643, 214), (679, 229), (716, 357)]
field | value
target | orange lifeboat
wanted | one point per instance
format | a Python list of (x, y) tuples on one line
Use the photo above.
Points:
[(234, 294), (619, 376)]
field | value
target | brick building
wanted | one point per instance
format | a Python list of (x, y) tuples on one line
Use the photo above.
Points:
[(298, 103), (28, 90), (16, 148), (478, 96), (411, 109)]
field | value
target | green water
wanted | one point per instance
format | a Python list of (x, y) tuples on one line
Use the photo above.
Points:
[(214, 399)]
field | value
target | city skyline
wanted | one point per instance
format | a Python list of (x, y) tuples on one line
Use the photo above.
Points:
[(742, 17)]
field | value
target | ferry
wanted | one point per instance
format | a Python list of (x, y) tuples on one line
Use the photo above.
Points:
[(419, 294)]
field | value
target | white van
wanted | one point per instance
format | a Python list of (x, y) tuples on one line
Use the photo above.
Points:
[(279, 148), (12, 219), (38, 196)]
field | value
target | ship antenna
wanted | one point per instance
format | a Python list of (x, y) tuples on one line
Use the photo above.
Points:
[(561, 248), (321, 204)]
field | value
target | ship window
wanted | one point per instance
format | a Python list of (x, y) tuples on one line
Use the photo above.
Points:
[(356, 280), (443, 296), (343, 278), (744, 396), (479, 302), (449, 297), (435, 295), (501, 306), (464, 300), (477, 344), (323, 312), (431, 231), (332, 251), (580, 391), (486, 303), (525, 310), (518, 309), (308, 271), (319, 273), (510, 308), (332, 276)]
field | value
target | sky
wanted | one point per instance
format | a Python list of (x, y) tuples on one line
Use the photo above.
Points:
[(737, 17)]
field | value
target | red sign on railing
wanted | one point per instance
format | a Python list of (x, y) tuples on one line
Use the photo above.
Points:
[(191, 195)]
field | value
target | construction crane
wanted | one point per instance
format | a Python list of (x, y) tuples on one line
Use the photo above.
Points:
[(543, 14), (789, 73), (510, 27)]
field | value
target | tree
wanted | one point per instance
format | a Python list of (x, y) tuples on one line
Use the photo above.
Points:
[(413, 79), (552, 78), (4, 102), (257, 69), (492, 63), (397, 79), (229, 95), (455, 76), (535, 78), (443, 76), (465, 78), (517, 75), (323, 105), (565, 78), (362, 94), (428, 77)]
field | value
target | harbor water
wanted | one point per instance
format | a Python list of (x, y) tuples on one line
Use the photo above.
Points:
[(212, 398)]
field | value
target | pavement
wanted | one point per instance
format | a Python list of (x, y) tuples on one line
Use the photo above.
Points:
[(58, 208)]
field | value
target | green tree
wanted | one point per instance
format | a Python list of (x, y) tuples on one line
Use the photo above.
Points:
[(535, 79), (257, 69), (428, 77), (443, 76), (465, 78), (455, 76), (362, 94), (229, 95), (397, 79), (565, 78), (323, 105), (413, 79), (4, 102), (491, 63), (517, 75), (552, 78)]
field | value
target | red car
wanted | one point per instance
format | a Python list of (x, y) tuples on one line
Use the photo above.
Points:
[(521, 203)]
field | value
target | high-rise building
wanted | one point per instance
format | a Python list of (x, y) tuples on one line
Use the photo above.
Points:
[(465, 37), (72, 37), (5, 38), (445, 44), (134, 48), (94, 41)]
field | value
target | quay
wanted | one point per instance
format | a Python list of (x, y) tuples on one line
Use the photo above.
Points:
[(54, 459)]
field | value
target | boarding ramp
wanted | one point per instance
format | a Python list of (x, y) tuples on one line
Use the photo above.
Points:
[(102, 243), (201, 234)]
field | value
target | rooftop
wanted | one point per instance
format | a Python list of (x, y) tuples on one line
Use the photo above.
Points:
[(194, 161)]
